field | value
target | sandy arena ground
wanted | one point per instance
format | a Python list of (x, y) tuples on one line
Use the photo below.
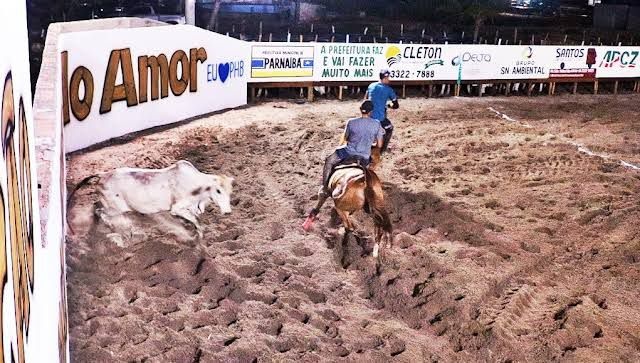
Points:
[(511, 243)]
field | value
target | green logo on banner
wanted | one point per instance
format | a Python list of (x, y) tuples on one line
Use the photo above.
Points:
[(437, 62)]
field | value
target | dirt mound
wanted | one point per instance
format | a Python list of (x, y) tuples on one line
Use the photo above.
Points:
[(509, 245)]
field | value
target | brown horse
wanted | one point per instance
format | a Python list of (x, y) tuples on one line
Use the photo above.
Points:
[(376, 156), (354, 188)]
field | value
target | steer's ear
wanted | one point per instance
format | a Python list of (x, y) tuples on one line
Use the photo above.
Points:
[(227, 183)]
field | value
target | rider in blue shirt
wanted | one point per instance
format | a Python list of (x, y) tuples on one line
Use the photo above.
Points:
[(379, 93)]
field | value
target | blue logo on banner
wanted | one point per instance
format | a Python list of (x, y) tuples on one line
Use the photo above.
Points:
[(258, 63), (225, 71), (261, 63)]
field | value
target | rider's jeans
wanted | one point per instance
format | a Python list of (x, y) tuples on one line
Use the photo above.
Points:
[(388, 131), (331, 162)]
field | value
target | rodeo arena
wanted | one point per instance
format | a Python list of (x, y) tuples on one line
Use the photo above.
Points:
[(287, 186)]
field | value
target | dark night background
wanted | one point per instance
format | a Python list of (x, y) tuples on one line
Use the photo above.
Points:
[(418, 21)]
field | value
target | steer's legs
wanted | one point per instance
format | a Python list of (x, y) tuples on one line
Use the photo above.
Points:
[(104, 215), (184, 213)]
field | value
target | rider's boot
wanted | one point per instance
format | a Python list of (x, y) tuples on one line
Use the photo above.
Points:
[(323, 192), (323, 195)]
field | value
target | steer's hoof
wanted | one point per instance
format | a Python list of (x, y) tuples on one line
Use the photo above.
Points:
[(117, 239)]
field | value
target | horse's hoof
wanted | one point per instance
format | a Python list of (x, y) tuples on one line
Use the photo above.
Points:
[(376, 251), (360, 235)]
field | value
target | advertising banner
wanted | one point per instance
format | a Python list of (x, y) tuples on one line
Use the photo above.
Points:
[(440, 62), (521, 62), (419, 62), (363, 62), (618, 62), (348, 62), (573, 62), (135, 79), (281, 62)]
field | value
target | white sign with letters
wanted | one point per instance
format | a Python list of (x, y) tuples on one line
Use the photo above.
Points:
[(352, 62), (617, 62), (570, 62), (135, 79)]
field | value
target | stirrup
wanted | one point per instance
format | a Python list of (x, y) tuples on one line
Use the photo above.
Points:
[(323, 193)]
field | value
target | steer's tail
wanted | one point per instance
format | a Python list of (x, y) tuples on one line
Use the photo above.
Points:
[(82, 183)]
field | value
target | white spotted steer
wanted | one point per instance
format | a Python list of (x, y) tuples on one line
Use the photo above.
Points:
[(180, 189)]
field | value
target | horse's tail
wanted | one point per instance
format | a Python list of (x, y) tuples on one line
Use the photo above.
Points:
[(82, 183), (381, 218), (380, 215)]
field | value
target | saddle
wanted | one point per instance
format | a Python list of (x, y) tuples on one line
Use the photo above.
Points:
[(352, 162)]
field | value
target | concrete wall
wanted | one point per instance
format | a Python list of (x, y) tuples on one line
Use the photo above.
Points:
[(33, 309), (48, 315), (203, 72)]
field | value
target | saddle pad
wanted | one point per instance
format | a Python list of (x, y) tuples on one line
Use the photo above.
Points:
[(341, 178), (346, 174)]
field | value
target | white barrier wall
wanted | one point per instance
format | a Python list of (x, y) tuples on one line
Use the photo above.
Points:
[(135, 79), (33, 318), (285, 62)]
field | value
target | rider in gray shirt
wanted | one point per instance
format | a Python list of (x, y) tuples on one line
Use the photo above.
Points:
[(360, 134)]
